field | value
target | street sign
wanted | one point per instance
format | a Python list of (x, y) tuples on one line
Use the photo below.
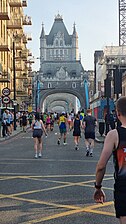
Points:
[(6, 99), (6, 91)]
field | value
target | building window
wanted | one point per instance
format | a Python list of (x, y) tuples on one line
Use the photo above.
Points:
[(49, 85), (56, 53), (61, 52), (57, 43), (61, 42), (74, 85), (50, 52), (74, 75), (65, 52), (91, 93)]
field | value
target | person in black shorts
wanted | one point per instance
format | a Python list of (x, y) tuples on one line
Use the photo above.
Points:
[(115, 143), (76, 131), (89, 124)]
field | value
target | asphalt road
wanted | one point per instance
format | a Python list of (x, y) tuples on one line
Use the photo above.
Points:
[(56, 189)]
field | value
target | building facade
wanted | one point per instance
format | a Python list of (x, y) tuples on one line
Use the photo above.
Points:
[(108, 63), (14, 53)]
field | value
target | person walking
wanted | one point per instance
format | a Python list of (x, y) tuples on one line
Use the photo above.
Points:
[(69, 121), (62, 122), (77, 131), (24, 121), (4, 118), (115, 143), (30, 118), (89, 124), (38, 128)]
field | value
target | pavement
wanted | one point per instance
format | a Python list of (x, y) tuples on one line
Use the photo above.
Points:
[(14, 133)]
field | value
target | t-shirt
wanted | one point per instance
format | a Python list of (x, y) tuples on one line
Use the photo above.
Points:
[(62, 122), (90, 123)]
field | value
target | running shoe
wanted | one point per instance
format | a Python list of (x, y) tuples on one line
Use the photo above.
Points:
[(40, 155), (87, 153), (58, 142), (36, 156)]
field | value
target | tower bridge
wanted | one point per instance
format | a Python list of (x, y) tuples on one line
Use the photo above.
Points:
[(61, 73)]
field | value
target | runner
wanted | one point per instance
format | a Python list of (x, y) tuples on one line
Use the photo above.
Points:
[(62, 128), (89, 124), (77, 131), (115, 143), (38, 128)]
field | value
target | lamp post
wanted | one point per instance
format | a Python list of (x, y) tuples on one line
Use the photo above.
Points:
[(14, 84), (36, 94), (107, 84)]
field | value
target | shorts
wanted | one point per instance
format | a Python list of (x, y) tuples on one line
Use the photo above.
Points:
[(120, 198), (76, 133), (62, 130), (37, 133), (89, 135)]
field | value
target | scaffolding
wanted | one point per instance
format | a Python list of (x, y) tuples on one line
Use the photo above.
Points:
[(122, 22)]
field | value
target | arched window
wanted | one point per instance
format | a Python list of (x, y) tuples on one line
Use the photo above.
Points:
[(49, 85), (57, 43), (74, 85), (61, 42)]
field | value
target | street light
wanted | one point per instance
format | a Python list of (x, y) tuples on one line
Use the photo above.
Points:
[(14, 83), (107, 84)]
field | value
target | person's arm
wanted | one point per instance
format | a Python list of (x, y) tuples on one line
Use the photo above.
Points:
[(43, 126), (109, 144), (32, 126), (83, 124)]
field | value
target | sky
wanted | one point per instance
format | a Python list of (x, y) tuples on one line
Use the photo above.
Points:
[(97, 24)]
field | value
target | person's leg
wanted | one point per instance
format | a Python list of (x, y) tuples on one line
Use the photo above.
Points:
[(59, 138), (40, 147), (78, 140), (91, 146), (36, 147), (8, 129), (87, 146), (4, 130), (75, 142), (122, 220), (64, 138)]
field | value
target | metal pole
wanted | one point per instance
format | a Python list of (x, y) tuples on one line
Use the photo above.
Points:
[(107, 124), (14, 84), (36, 99)]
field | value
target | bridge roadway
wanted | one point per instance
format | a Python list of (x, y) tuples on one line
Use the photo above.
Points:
[(56, 189)]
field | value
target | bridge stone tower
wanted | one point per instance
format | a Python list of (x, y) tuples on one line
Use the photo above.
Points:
[(61, 70)]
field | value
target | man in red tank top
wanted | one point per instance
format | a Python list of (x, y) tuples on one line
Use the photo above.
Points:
[(115, 143)]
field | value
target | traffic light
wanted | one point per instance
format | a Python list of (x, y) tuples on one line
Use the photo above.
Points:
[(107, 87), (117, 75)]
